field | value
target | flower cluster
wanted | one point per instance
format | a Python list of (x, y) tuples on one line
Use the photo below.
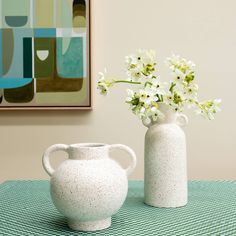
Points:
[(141, 65), (144, 104), (209, 108), (149, 91)]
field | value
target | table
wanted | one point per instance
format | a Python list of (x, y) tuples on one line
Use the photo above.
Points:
[(26, 209)]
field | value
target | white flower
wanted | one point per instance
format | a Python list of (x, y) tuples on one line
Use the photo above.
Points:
[(190, 91), (168, 98), (175, 101), (146, 57), (155, 114), (178, 75), (147, 95), (131, 60), (191, 103), (159, 87), (217, 102), (172, 61), (182, 70), (102, 75), (103, 88), (152, 114), (104, 83), (130, 96), (191, 65), (176, 62), (135, 74), (142, 57)]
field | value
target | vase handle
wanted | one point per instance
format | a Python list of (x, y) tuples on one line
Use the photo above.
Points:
[(132, 166), (46, 162), (182, 120)]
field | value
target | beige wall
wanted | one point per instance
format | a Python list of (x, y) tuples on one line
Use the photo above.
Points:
[(202, 30)]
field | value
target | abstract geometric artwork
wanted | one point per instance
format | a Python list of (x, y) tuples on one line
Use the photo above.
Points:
[(44, 54)]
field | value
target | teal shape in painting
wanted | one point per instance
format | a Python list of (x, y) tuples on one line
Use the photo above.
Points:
[(16, 21), (70, 57), (45, 33), (10, 83)]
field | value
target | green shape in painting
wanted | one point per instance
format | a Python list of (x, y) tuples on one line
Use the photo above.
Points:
[(27, 58), (79, 98), (23, 94), (1, 95), (70, 64), (7, 50), (16, 13), (43, 57)]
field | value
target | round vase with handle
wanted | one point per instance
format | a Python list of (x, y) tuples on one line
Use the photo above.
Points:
[(89, 187), (165, 181)]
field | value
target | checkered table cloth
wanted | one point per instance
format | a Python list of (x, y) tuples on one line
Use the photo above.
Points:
[(26, 209)]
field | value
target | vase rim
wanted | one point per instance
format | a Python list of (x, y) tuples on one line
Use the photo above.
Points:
[(88, 145)]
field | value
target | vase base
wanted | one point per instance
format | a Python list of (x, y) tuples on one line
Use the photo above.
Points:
[(161, 205), (90, 226)]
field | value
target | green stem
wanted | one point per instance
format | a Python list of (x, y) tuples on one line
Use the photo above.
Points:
[(126, 81), (148, 83), (172, 87)]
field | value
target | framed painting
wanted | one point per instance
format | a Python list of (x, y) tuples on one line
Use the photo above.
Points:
[(45, 54)]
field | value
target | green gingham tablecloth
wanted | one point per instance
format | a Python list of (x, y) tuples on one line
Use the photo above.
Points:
[(26, 209)]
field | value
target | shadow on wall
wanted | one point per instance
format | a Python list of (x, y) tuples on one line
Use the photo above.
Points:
[(45, 118)]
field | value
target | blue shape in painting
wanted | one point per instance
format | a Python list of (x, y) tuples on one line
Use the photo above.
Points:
[(70, 64), (10, 83), (45, 33)]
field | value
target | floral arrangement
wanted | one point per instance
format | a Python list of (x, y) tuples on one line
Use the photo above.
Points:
[(149, 90)]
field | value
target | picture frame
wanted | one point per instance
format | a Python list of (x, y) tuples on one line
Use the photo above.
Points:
[(45, 55)]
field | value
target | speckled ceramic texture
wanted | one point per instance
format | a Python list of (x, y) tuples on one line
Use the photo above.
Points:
[(165, 181), (89, 187)]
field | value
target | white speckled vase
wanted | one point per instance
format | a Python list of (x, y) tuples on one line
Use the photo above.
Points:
[(165, 181), (89, 187)]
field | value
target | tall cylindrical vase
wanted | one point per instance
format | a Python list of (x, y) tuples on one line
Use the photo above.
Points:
[(165, 181)]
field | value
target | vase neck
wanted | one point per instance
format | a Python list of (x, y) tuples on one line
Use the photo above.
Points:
[(90, 151)]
